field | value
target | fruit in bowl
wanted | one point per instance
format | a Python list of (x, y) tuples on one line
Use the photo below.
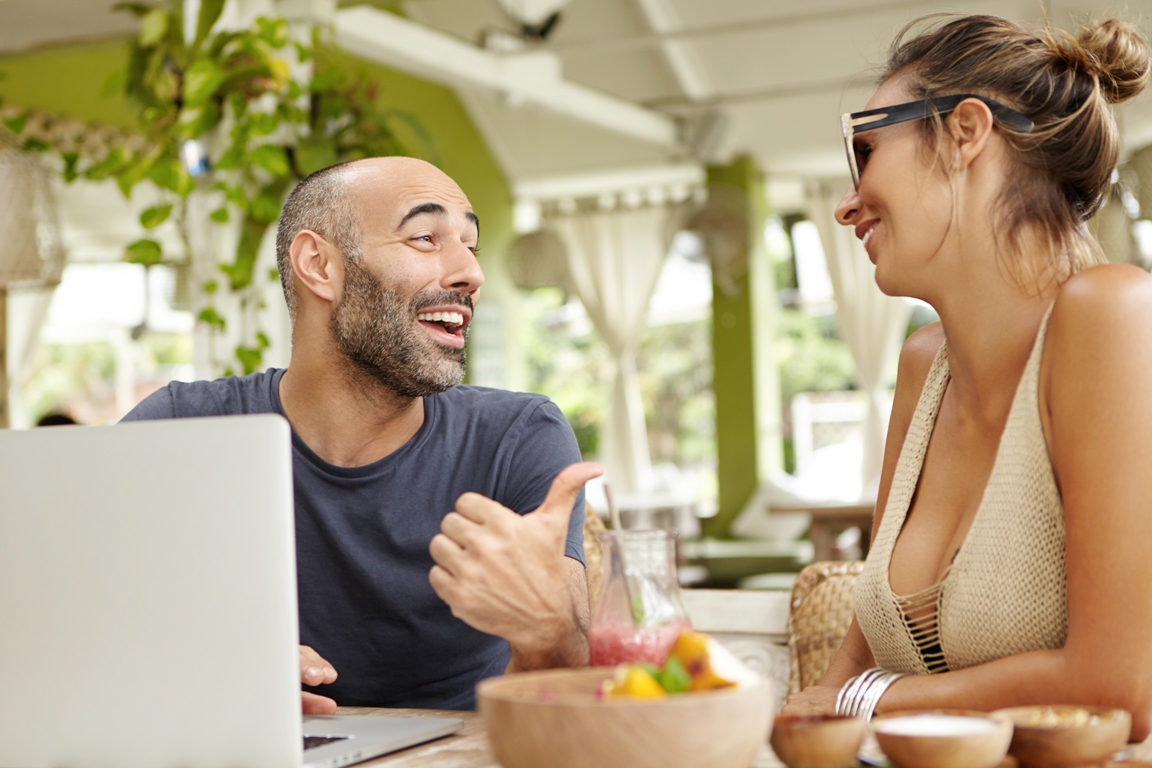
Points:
[(601, 717), (695, 662)]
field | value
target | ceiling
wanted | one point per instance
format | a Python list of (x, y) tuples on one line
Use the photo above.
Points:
[(763, 77)]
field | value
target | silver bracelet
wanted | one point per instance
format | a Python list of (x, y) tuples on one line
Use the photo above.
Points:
[(861, 694)]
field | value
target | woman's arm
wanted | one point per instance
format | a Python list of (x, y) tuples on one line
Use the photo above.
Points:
[(854, 656), (1096, 408)]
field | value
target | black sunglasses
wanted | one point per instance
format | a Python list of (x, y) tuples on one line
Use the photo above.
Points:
[(871, 119)]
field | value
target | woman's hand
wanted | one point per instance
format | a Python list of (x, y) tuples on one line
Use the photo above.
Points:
[(813, 700)]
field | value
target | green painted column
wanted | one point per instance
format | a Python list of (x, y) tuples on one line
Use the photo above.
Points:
[(745, 379)]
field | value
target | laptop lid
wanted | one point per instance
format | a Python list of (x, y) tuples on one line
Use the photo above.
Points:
[(148, 596)]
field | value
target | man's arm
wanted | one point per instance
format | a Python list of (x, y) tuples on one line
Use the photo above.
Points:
[(507, 574)]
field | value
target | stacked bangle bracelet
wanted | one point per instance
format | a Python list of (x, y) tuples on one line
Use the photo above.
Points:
[(861, 694)]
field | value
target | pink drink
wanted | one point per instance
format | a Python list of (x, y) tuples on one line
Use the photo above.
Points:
[(620, 643)]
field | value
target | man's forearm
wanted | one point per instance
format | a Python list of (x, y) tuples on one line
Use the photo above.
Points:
[(569, 648), (562, 642)]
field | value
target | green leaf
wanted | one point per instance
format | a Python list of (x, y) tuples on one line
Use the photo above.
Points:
[(273, 274), (272, 31), (16, 124), (264, 123), (230, 160), (211, 287), (36, 145), (114, 84), (240, 272), (264, 208), (673, 678), (262, 341), (196, 121), (109, 166), (153, 217), (314, 153), (249, 358), (201, 81), (209, 13), (220, 215), (146, 252), (137, 9), (153, 27), (303, 52), (271, 158), (210, 316), (165, 173), (236, 196), (71, 160)]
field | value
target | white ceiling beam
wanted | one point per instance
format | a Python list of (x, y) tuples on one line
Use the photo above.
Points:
[(523, 78)]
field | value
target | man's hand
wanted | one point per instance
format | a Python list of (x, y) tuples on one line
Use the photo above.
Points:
[(505, 574), (315, 671)]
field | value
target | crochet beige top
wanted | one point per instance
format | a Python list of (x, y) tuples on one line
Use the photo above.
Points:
[(1005, 591)]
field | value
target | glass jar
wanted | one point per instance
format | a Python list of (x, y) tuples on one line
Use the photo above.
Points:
[(638, 612)]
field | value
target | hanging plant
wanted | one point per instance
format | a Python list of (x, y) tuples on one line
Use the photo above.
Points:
[(220, 113)]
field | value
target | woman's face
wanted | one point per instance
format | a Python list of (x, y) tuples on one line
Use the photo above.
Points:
[(903, 209)]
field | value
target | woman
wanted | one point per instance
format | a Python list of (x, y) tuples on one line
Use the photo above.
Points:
[(1012, 552)]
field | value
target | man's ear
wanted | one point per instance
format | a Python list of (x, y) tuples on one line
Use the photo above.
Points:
[(970, 126), (317, 265)]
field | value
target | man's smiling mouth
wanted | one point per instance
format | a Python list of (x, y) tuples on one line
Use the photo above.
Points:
[(450, 321)]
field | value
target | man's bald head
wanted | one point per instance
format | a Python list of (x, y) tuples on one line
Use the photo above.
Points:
[(332, 202)]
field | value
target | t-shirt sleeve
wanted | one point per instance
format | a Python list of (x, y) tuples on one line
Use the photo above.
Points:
[(158, 405), (547, 445)]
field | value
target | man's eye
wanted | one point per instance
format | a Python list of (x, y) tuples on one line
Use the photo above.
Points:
[(863, 152)]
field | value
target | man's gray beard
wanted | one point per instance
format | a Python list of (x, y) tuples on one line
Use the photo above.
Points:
[(378, 333)]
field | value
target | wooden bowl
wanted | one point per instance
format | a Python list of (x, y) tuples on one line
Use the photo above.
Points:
[(913, 740), (821, 741), (1065, 745), (555, 719)]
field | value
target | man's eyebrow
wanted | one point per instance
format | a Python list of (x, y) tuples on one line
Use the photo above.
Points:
[(439, 210), (422, 209)]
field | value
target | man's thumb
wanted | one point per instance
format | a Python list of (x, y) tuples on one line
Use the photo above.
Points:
[(562, 495)]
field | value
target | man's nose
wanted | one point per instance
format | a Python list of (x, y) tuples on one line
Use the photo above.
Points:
[(849, 206), (463, 274)]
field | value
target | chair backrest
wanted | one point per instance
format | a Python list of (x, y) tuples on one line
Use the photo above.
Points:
[(819, 616), (592, 557)]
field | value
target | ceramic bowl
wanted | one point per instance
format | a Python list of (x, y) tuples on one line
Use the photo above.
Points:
[(555, 719), (943, 738), (1065, 736), (822, 741)]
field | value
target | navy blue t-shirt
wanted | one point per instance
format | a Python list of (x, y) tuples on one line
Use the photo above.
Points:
[(362, 533)]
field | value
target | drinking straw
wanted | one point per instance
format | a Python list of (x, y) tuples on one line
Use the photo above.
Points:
[(613, 512)]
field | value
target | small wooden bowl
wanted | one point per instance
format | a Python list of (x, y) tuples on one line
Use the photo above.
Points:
[(984, 747), (820, 741), (555, 719), (1064, 746)]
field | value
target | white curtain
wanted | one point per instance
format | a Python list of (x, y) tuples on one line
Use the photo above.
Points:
[(614, 260), (871, 323), (27, 311)]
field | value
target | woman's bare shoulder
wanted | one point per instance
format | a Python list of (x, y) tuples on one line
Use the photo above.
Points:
[(916, 358), (1100, 307)]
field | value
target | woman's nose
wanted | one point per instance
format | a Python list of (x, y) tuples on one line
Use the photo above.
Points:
[(849, 207)]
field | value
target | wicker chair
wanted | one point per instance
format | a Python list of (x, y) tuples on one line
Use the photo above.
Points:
[(592, 556), (819, 617)]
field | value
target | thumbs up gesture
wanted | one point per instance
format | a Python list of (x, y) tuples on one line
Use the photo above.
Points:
[(506, 574)]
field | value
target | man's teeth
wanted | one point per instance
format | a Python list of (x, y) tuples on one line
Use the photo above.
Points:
[(868, 236), (453, 318)]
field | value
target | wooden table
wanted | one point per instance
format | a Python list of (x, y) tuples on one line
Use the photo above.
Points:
[(829, 518), (468, 748)]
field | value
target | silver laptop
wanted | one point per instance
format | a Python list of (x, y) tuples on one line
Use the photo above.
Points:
[(148, 603)]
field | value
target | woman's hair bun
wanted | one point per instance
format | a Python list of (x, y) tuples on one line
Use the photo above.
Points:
[(1116, 53)]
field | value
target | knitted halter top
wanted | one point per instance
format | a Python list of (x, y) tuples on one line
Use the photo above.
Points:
[(1005, 591)]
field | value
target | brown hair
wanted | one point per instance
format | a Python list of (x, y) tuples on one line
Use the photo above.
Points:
[(1064, 84), (319, 203)]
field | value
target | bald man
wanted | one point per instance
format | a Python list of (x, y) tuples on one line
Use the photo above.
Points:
[(420, 572)]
